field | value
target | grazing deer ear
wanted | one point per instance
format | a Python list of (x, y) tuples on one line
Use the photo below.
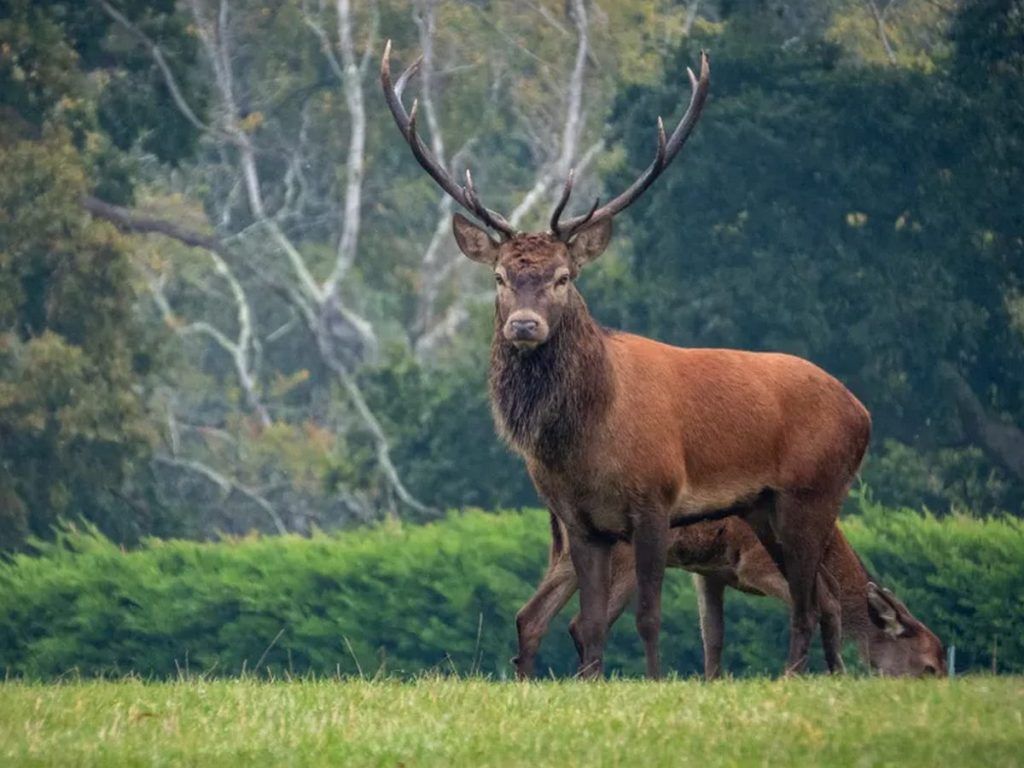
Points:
[(590, 242), (474, 242), (886, 612)]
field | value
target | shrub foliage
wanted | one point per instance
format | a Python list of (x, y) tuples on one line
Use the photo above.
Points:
[(441, 596)]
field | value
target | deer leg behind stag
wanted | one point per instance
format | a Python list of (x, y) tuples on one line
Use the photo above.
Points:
[(555, 590), (711, 606), (831, 621)]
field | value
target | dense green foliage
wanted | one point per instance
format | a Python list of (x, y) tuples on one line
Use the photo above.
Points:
[(65, 63), (967, 722), (443, 597), (77, 360), (851, 195), (863, 217), (74, 358)]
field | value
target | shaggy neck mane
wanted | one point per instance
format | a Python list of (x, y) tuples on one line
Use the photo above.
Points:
[(545, 400)]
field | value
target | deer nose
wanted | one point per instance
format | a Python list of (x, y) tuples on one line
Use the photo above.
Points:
[(524, 328)]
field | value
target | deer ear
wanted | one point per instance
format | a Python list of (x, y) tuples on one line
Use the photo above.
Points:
[(473, 241), (886, 612), (590, 242)]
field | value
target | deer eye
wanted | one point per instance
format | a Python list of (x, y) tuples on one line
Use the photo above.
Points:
[(499, 280), (562, 281)]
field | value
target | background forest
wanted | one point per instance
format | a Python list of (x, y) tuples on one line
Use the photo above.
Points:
[(229, 299)]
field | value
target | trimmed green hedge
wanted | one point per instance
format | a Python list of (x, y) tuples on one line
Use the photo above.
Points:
[(441, 596)]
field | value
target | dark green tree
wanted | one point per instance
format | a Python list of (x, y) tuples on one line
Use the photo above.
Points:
[(860, 216), (76, 363), (74, 429)]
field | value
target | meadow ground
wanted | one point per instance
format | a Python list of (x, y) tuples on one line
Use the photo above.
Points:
[(433, 721)]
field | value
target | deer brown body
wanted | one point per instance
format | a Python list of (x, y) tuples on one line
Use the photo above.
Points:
[(727, 553), (624, 436)]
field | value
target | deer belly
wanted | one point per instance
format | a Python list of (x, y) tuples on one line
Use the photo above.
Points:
[(696, 499)]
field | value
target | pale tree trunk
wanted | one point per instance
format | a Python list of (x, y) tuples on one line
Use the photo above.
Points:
[(879, 16), (325, 301), (434, 329), (343, 337), (691, 16), (432, 271), (573, 121), (352, 84)]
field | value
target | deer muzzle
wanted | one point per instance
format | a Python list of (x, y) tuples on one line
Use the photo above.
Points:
[(525, 329)]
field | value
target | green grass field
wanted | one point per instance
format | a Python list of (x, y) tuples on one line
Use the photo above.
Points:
[(812, 721)]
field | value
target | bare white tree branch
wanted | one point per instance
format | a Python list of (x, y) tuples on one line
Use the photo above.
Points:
[(691, 16), (227, 486), (352, 84), (319, 304), (240, 350), (165, 70), (883, 35)]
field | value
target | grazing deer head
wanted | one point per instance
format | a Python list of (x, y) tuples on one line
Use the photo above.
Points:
[(902, 645), (533, 272)]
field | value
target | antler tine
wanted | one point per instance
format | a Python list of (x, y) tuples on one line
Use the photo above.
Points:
[(406, 75), (406, 121), (486, 215), (667, 150), (570, 232), (699, 93), (562, 202), (556, 229)]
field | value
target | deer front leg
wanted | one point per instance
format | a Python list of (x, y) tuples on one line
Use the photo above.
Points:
[(710, 604), (623, 585), (650, 547), (532, 621), (591, 560), (831, 622)]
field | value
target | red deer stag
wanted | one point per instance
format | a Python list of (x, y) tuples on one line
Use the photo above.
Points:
[(727, 553), (625, 437)]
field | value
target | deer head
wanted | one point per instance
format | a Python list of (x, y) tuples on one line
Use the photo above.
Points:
[(534, 272), (902, 645)]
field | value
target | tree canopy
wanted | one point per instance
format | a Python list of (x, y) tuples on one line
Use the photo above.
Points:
[(231, 300)]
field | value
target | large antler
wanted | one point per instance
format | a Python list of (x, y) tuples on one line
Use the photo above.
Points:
[(465, 196), (668, 148)]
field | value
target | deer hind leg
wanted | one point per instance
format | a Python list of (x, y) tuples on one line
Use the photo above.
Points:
[(710, 604), (650, 548), (556, 588), (803, 523), (831, 621), (764, 573), (591, 560)]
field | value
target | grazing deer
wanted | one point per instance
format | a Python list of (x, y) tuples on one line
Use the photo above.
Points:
[(625, 437), (727, 553)]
